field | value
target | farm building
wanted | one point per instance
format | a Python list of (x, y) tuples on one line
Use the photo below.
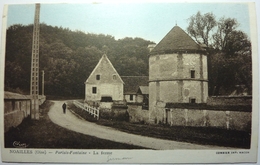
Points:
[(177, 73), (104, 83), (131, 86), (16, 108), (143, 95)]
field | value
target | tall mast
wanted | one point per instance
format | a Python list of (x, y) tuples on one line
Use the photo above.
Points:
[(34, 87)]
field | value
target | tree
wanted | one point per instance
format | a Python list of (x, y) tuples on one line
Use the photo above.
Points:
[(68, 57), (229, 52), (200, 27), (224, 32)]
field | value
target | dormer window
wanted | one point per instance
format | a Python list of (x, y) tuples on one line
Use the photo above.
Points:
[(97, 77), (192, 73), (114, 77)]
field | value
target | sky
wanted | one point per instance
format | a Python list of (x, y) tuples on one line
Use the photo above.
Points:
[(150, 21)]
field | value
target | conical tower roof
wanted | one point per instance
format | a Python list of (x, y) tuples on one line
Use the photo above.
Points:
[(177, 40)]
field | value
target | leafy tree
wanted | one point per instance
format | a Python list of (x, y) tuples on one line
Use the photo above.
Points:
[(68, 57), (229, 52), (200, 27), (226, 27)]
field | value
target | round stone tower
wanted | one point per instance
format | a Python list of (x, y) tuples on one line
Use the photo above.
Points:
[(177, 73)]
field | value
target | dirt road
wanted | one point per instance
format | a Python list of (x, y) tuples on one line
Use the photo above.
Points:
[(71, 122)]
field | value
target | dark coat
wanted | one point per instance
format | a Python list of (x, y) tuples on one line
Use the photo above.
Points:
[(64, 106)]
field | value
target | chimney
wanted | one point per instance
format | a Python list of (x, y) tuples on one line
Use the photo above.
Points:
[(151, 47)]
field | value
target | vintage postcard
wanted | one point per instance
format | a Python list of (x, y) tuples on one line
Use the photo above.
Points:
[(146, 82)]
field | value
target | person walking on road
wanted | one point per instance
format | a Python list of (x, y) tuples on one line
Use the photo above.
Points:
[(64, 108)]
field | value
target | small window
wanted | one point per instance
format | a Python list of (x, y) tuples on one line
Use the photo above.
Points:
[(98, 77), (13, 104), (114, 77), (94, 89), (131, 97), (192, 100), (192, 74)]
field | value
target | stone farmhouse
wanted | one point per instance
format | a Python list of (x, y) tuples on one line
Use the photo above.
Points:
[(104, 84), (131, 86)]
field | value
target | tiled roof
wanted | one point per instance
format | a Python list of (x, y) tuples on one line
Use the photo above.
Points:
[(11, 95), (176, 40), (132, 83), (144, 90)]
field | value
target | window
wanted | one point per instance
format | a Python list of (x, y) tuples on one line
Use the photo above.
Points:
[(131, 97), (13, 104), (94, 89), (192, 74), (192, 100), (114, 77), (97, 77)]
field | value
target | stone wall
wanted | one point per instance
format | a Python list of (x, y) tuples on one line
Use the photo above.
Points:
[(42, 99), (137, 114), (16, 108), (229, 112), (14, 112), (229, 100), (118, 112), (177, 78), (223, 119)]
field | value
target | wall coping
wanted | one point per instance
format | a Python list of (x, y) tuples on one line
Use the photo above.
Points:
[(16, 96), (204, 106)]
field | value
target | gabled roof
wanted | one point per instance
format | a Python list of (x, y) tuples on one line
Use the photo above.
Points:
[(143, 90), (175, 41), (106, 70), (132, 83)]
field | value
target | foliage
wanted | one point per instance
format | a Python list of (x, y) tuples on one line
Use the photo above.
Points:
[(229, 52), (68, 57), (200, 27)]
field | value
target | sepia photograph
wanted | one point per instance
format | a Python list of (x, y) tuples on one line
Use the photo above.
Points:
[(144, 82)]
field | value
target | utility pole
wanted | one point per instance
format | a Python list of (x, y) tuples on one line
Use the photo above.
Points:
[(34, 88), (42, 82)]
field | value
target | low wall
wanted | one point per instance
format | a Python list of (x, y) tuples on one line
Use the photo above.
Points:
[(223, 119), (42, 99), (229, 112), (115, 113), (137, 114), (229, 100), (16, 108)]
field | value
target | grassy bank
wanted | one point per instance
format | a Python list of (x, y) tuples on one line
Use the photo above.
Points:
[(45, 134), (197, 135)]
